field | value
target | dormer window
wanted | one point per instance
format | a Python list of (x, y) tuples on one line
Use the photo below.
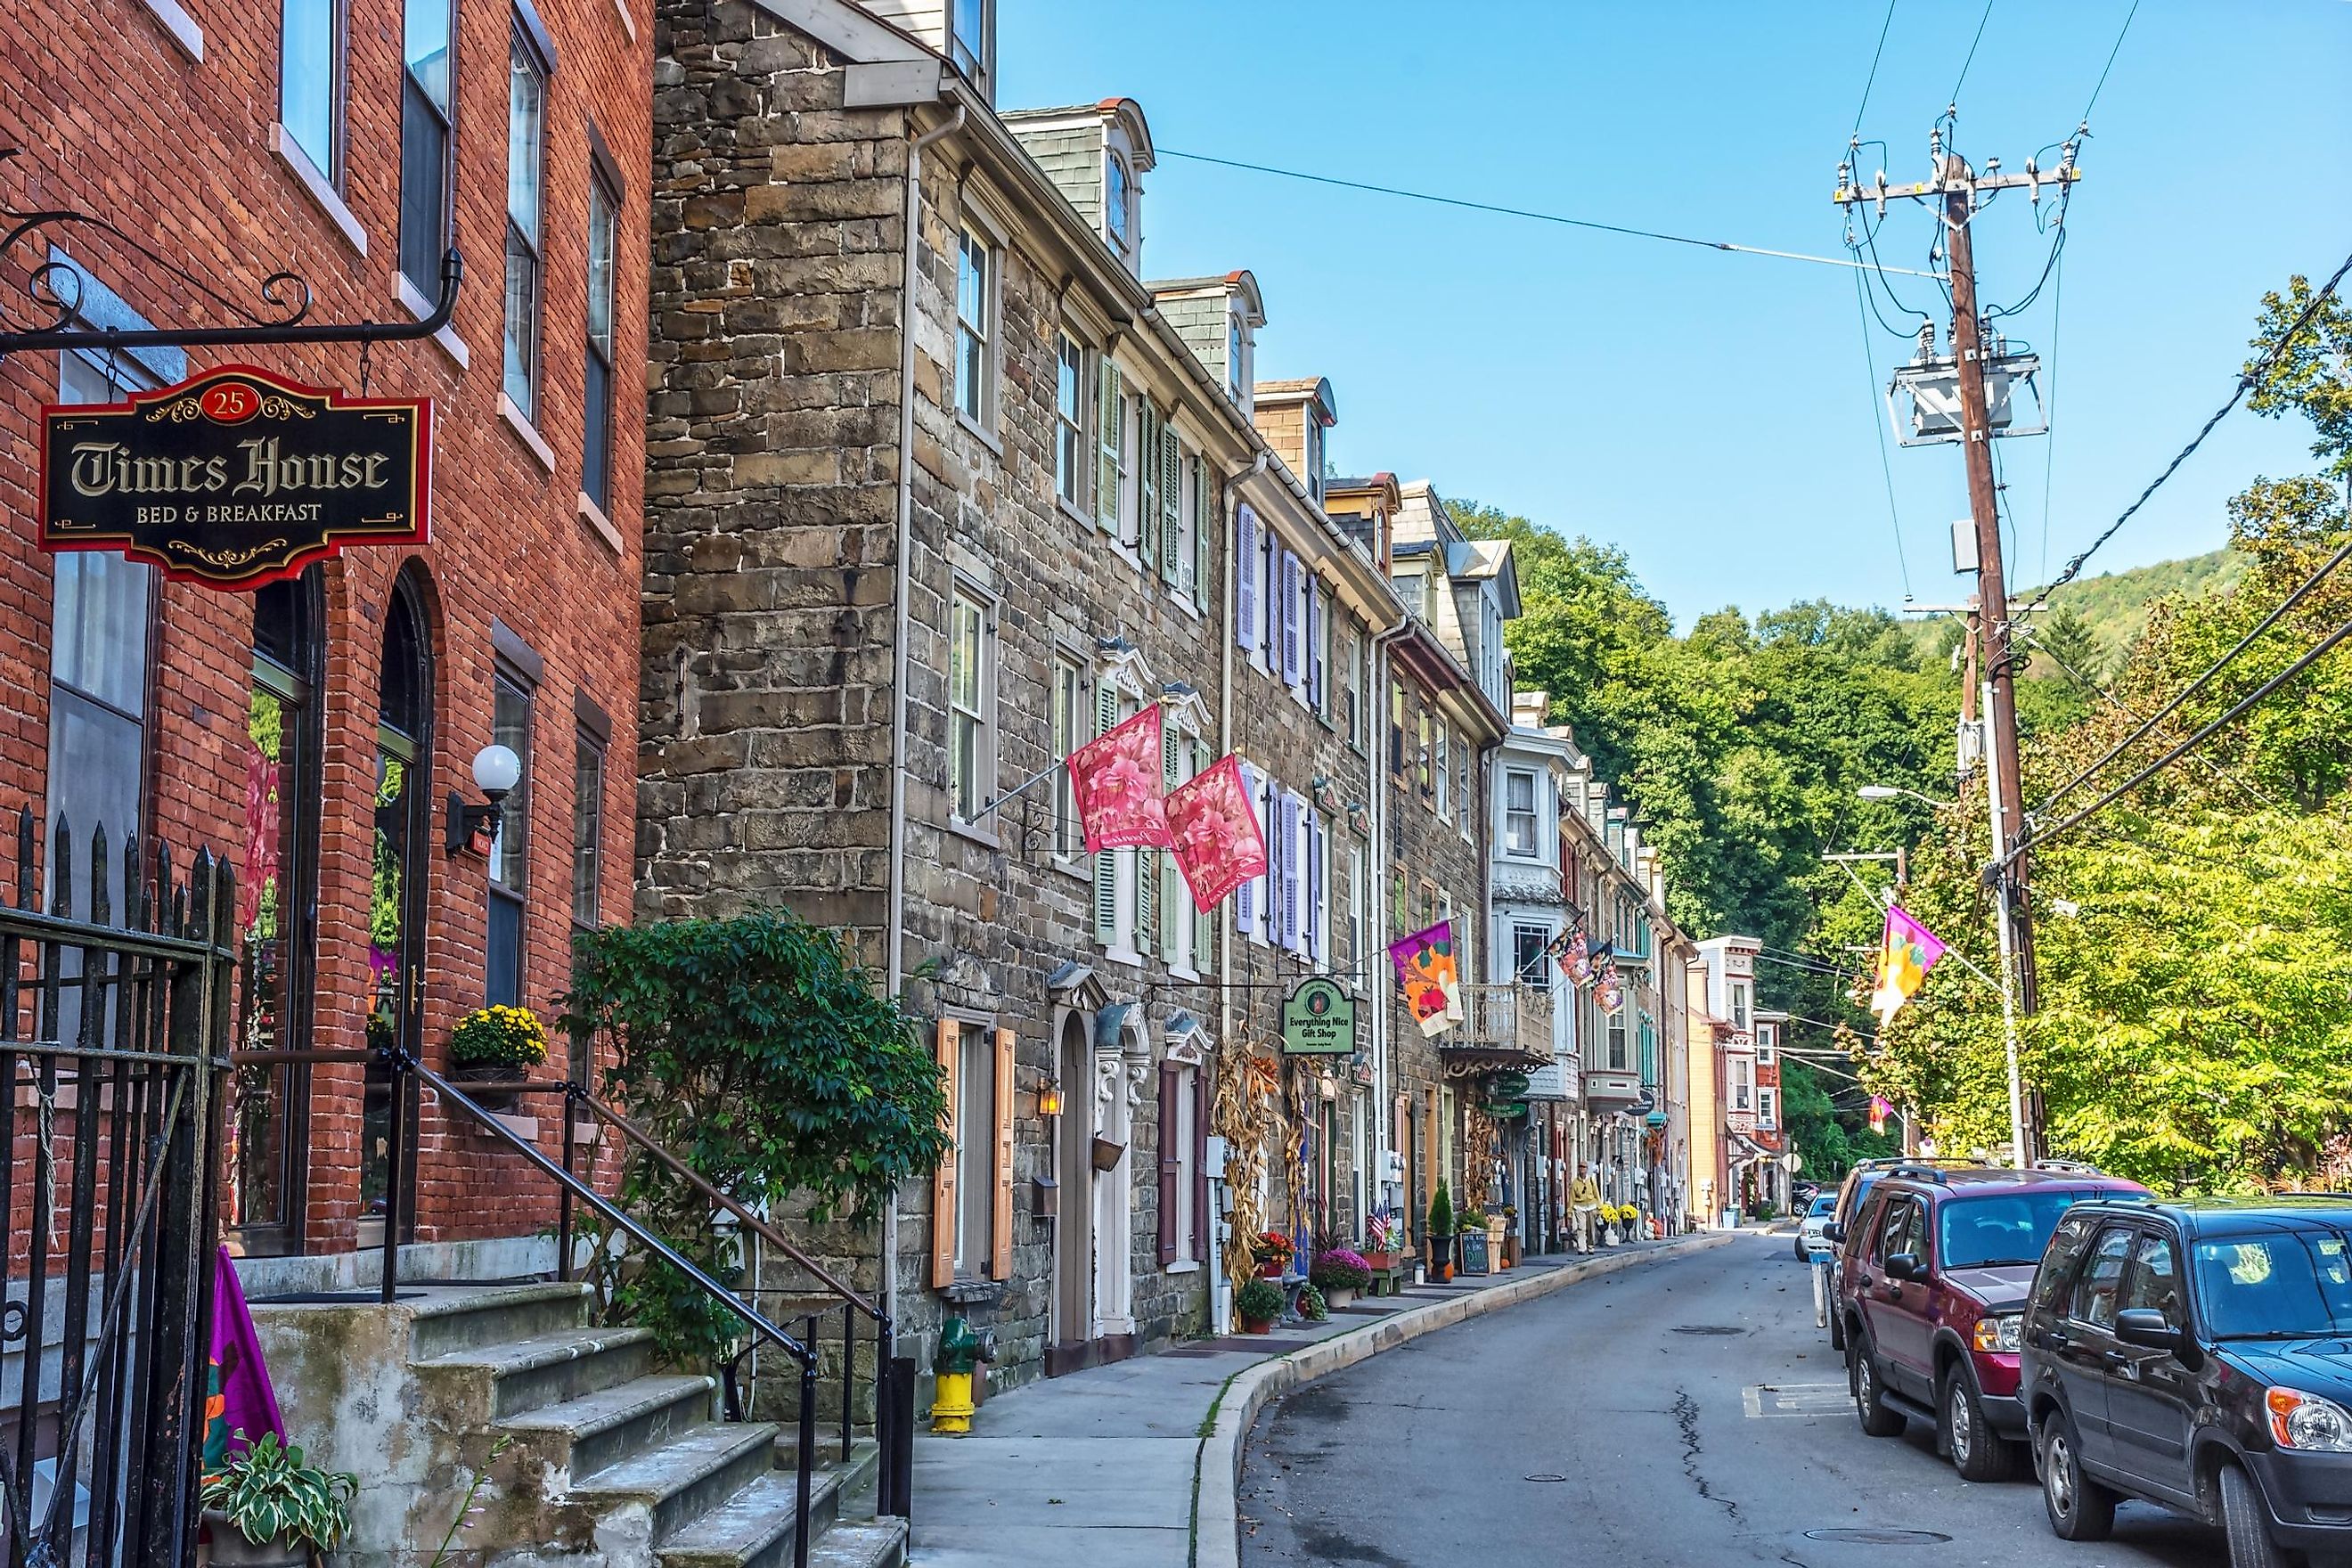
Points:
[(1119, 215), (968, 26), (1314, 475), (1234, 380)]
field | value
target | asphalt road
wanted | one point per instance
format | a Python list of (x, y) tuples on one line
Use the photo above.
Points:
[(1685, 1412)]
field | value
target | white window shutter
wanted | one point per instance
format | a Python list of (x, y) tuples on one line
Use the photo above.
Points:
[(1317, 894), (1291, 869), (1317, 611), (1106, 861), (1171, 503), (1248, 897), (1245, 559), (1204, 530), (1147, 482), (1107, 437)]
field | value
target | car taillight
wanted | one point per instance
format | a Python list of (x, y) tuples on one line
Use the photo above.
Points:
[(2306, 1422), (2002, 1333)]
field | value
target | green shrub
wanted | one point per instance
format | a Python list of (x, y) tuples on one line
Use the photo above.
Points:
[(1440, 1213), (1259, 1301), (1311, 1305)]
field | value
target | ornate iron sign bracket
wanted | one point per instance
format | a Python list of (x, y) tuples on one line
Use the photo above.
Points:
[(54, 285)]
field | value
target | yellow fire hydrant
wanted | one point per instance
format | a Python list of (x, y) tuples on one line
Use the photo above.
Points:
[(954, 1366)]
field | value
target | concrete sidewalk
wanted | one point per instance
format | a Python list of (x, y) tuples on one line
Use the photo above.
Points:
[(1105, 1466)]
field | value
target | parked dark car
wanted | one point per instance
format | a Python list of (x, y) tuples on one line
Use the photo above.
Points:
[(2199, 1355), (1933, 1278)]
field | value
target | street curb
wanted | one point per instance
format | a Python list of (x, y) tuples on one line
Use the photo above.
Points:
[(1217, 1467)]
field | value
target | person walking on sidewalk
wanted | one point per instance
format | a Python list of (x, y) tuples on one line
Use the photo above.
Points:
[(1585, 1198)]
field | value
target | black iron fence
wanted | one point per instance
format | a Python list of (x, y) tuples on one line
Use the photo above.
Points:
[(115, 988)]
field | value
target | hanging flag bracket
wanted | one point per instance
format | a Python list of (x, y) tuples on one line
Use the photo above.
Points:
[(1015, 793)]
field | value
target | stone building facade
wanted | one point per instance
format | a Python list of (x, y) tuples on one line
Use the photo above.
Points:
[(939, 488), (311, 733)]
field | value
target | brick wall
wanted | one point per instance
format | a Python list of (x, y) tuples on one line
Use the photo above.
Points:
[(113, 118)]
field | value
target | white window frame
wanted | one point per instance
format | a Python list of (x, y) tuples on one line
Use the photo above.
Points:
[(1189, 488), (1188, 1138), (1066, 713), (1739, 1005), (1742, 1070), (1445, 772), (1767, 1107), (1130, 536), (982, 719), (1313, 453), (1071, 359), (1118, 218), (975, 405), (1512, 812)]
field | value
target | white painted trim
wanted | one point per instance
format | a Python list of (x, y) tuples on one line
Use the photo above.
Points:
[(185, 35), (418, 306), (594, 516), (628, 22), (321, 190), (846, 30), (520, 425)]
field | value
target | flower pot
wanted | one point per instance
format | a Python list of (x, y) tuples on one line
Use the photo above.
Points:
[(230, 1549), (1257, 1325), (1382, 1262), (1269, 1268), (1338, 1295), (493, 1086), (1107, 1154)]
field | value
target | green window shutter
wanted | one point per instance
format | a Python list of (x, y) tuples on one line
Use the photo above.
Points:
[(1171, 501), (1204, 923), (1106, 861), (1171, 908), (1147, 482), (1107, 444), (1210, 523)]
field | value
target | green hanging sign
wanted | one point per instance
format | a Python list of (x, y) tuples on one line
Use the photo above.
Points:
[(1318, 1019)]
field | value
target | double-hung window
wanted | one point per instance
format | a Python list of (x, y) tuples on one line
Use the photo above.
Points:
[(596, 406), (1396, 728), (310, 83), (975, 392), (528, 69), (969, 39), (1188, 525), (1617, 1059), (1743, 1077), (1519, 813), (1428, 750), (1069, 419), (1069, 683), (1528, 944), (971, 1188), (970, 726), (1445, 773), (587, 828), (1767, 1107), (427, 75), (510, 705)]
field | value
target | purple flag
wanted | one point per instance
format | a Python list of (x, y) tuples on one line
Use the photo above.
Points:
[(247, 1403)]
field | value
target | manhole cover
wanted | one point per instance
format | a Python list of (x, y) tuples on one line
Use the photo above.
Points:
[(1708, 1328), (1879, 1537), (1543, 1478)]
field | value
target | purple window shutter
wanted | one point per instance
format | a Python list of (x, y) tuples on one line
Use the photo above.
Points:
[(1200, 1237), (1316, 614), (1291, 870), (1317, 939), (1245, 895), (1172, 1082), (1290, 619), (1245, 559), (1270, 885)]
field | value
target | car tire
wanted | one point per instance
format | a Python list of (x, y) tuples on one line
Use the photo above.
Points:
[(2080, 1508), (1878, 1418), (2246, 1523), (1978, 1453)]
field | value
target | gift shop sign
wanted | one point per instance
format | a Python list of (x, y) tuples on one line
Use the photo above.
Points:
[(235, 478), (1318, 1019)]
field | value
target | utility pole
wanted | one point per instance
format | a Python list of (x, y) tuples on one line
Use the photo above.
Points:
[(1958, 189), (2011, 872)]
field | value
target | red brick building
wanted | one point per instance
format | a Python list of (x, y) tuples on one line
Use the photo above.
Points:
[(313, 733)]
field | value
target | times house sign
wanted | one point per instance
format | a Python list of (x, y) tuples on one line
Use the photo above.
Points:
[(236, 477)]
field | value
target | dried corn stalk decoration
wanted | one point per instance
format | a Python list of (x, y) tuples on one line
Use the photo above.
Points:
[(1247, 1115), (1478, 1159)]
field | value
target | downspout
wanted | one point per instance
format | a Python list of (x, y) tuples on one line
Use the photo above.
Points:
[(895, 919), (1376, 912)]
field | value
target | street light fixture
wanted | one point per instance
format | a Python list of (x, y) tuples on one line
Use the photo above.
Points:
[(1891, 792)]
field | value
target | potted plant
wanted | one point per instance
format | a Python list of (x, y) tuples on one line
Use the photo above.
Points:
[(1257, 1303), (496, 1047), (267, 1508), (1312, 1306), (1340, 1274), (1441, 1235), (1273, 1251), (1510, 1236), (1379, 1243)]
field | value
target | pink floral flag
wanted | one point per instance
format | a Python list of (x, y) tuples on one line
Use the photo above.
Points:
[(1118, 784), (1217, 840)]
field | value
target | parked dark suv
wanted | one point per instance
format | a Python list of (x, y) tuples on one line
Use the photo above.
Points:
[(1932, 1282), (2199, 1355)]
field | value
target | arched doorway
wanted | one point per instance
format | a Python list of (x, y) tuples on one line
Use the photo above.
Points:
[(1073, 1260), (276, 937), (403, 833)]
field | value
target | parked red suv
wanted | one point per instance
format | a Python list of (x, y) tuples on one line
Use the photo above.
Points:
[(1932, 1278)]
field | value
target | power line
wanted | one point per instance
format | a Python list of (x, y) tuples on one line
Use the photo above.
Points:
[(2034, 838), (2246, 383), (1878, 425), (1871, 79), (1519, 212), (2098, 691), (1972, 51), (2301, 590), (2111, 61)]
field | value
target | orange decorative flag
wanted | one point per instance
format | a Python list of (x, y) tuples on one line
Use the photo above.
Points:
[(1905, 954), (1116, 782), (1215, 835), (1430, 977)]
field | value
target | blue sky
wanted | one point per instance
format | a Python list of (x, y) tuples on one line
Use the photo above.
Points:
[(1712, 414)]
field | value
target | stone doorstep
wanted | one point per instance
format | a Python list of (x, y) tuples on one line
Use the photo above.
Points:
[(585, 1436), (875, 1544), (693, 1474), (522, 1375)]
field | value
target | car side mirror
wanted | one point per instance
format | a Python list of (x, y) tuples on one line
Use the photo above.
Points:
[(1903, 1266), (1833, 1232), (2146, 1327)]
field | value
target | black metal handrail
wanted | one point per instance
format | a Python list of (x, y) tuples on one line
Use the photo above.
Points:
[(895, 1376)]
